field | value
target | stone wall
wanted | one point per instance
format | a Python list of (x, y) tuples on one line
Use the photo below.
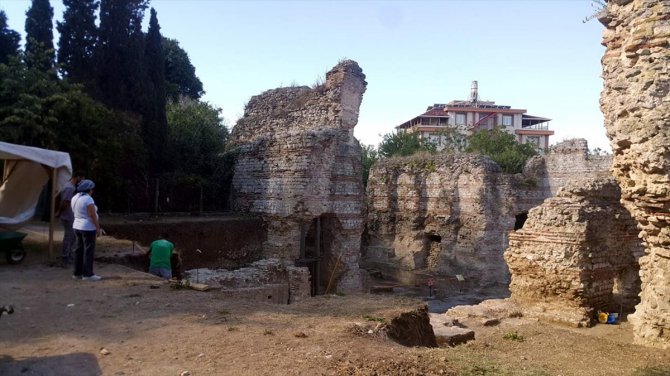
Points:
[(267, 280), (450, 214), (637, 117), (298, 163), (442, 214), (577, 253), (564, 162)]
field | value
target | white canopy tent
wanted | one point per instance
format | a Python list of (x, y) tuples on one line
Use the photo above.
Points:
[(26, 170)]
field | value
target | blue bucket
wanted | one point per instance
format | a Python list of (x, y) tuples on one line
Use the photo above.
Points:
[(612, 318)]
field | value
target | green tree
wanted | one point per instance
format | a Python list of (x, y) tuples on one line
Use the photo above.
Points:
[(403, 144), (154, 117), (78, 35), (39, 35), (196, 134), (119, 54), (369, 157), (26, 97), (196, 141), (9, 40), (502, 147), (180, 73), (451, 140), (36, 109)]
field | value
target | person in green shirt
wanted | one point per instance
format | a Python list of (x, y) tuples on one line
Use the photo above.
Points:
[(160, 253)]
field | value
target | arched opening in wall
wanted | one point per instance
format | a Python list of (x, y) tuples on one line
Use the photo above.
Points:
[(626, 289), (319, 242), (520, 219), (432, 246)]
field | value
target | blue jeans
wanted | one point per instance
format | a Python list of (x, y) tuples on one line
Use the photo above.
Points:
[(68, 240), (84, 252), (161, 272)]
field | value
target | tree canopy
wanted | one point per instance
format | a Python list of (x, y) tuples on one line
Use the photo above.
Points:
[(180, 73), (153, 111), (39, 35), (9, 40), (108, 107), (502, 147), (397, 144), (78, 36)]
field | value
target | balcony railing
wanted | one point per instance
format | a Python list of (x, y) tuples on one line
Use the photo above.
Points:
[(540, 126)]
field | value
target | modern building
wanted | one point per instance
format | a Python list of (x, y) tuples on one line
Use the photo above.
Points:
[(468, 116)]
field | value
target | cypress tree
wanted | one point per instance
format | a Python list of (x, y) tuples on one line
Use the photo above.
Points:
[(9, 40), (39, 35), (78, 35), (155, 120), (118, 56)]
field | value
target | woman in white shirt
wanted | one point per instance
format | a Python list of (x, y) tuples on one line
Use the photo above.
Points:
[(86, 230)]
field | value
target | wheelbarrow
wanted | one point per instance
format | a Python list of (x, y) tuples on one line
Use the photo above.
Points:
[(10, 244)]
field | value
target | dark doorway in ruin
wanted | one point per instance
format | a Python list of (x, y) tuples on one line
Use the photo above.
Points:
[(432, 248), (434, 238), (520, 219), (317, 245)]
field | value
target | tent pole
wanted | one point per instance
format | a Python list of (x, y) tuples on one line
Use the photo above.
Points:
[(52, 214)]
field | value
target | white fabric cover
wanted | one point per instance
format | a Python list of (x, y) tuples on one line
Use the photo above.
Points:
[(27, 169)]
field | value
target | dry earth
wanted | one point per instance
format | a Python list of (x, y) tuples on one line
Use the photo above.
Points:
[(147, 328)]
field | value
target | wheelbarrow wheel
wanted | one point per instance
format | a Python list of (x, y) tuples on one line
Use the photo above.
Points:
[(15, 256)]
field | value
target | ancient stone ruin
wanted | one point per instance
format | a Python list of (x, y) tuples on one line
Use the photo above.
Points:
[(449, 214), (565, 161), (445, 214), (637, 116), (298, 166), (576, 254)]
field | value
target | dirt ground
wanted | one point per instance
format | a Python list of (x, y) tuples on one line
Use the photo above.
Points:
[(133, 324)]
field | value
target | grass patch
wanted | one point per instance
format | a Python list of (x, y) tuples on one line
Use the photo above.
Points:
[(374, 318), (513, 336), (480, 365)]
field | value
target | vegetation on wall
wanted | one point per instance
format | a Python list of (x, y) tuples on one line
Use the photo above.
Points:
[(400, 144), (369, 157), (502, 147), (497, 144)]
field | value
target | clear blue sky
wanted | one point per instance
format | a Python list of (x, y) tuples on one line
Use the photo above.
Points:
[(534, 54)]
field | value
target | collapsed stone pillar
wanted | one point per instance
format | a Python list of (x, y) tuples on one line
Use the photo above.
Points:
[(636, 106), (299, 167), (577, 253)]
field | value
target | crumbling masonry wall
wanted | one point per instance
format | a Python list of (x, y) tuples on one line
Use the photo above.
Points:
[(443, 214), (577, 253), (298, 161), (566, 161), (450, 214), (636, 106)]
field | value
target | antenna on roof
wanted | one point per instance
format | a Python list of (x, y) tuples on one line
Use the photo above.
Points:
[(474, 95)]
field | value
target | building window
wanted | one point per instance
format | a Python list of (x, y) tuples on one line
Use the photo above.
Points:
[(533, 140), (507, 120), (460, 119)]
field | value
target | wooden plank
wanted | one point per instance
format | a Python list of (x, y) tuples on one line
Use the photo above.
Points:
[(198, 286)]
